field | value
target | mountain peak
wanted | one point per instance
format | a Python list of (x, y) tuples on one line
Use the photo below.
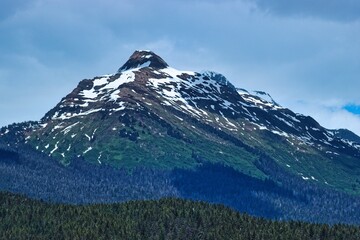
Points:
[(144, 58)]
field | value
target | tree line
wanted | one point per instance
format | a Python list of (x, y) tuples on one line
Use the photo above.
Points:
[(169, 218)]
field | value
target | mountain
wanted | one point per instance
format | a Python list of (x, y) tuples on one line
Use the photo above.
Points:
[(172, 128), (346, 135)]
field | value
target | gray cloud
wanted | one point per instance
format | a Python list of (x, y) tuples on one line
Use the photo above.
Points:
[(49, 46), (10, 7), (339, 10)]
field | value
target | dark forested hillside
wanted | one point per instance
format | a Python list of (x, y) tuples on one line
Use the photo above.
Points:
[(36, 175), (22, 218)]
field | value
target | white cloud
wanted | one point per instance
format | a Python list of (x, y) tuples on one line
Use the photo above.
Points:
[(330, 115), (335, 10)]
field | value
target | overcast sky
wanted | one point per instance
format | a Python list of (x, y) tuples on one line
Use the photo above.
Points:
[(306, 53)]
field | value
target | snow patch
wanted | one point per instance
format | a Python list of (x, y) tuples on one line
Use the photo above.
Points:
[(98, 159), (55, 148), (68, 128), (89, 138), (87, 150)]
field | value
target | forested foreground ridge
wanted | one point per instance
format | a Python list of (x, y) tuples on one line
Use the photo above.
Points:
[(24, 218)]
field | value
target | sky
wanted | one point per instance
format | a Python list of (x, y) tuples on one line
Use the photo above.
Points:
[(306, 54)]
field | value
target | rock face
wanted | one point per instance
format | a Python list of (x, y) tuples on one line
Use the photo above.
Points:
[(140, 59), (148, 114)]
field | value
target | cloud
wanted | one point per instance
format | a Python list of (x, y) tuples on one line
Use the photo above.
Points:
[(295, 53), (11, 7), (337, 10), (29, 88), (332, 116)]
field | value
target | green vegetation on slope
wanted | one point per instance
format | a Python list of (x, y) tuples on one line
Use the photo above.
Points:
[(309, 163), (133, 144), (155, 138), (22, 218)]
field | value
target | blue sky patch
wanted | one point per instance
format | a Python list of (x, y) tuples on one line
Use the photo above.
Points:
[(353, 108)]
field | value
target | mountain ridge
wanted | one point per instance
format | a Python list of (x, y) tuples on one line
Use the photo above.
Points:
[(184, 105), (170, 124)]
